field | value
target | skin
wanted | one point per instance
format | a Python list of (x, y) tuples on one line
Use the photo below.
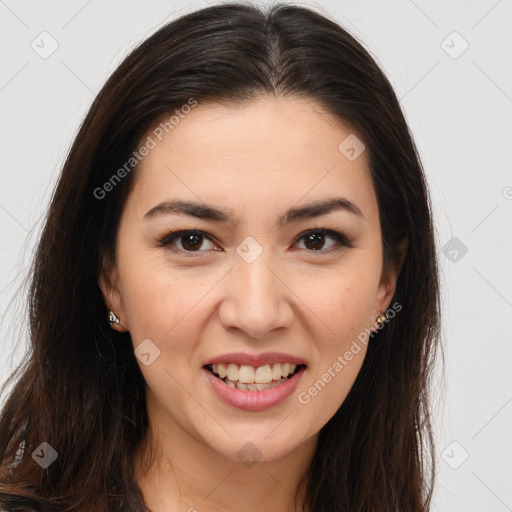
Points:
[(258, 159)]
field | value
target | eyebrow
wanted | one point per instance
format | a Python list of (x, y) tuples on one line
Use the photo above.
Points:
[(209, 212)]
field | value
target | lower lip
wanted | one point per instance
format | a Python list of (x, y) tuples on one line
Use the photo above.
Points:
[(254, 400)]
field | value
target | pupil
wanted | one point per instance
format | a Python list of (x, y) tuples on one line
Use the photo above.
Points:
[(315, 238), (193, 245)]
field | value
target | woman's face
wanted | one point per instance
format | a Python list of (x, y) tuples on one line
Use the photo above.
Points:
[(252, 291)]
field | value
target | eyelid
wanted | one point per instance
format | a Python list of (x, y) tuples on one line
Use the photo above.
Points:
[(339, 237), (342, 241), (168, 238)]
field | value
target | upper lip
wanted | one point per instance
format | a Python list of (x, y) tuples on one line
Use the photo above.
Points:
[(255, 359)]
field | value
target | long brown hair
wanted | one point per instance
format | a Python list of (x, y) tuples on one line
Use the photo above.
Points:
[(81, 390)]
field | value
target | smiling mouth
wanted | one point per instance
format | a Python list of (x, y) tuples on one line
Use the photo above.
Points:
[(248, 378)]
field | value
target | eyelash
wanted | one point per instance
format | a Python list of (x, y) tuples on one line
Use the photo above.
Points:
[(341, 240)]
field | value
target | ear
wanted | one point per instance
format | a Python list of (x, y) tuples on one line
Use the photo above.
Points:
[(108, 281), (389, 277)]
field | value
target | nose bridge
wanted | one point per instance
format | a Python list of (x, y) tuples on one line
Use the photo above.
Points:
[(255, 300), (255, 276)]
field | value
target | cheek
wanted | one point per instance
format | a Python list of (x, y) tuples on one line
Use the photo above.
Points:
[(344, 300), (341, 339), (159, 308), (324, 392), (344, 309), (341, 346), (167, 306), (153, 300)]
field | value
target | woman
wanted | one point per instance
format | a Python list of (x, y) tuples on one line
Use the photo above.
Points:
[(234, 302)]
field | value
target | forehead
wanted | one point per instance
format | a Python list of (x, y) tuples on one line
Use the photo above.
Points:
[(266, 149), (262, 126)]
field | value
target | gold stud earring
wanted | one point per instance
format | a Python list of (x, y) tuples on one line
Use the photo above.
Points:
[(382, 318), (112, 318)]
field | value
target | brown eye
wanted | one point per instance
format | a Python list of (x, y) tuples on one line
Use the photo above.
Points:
[(314, 240), (191, 241)]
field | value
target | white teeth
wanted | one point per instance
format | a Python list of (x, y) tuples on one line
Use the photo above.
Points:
[(269, 385), (232, 371), (222, 371), (263, 374), (248, 375), (256, 387)]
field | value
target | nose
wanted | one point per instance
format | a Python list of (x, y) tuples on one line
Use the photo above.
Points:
[(257, 298)]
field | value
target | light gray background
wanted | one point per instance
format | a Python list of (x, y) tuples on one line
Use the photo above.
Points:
[(459, 108)]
